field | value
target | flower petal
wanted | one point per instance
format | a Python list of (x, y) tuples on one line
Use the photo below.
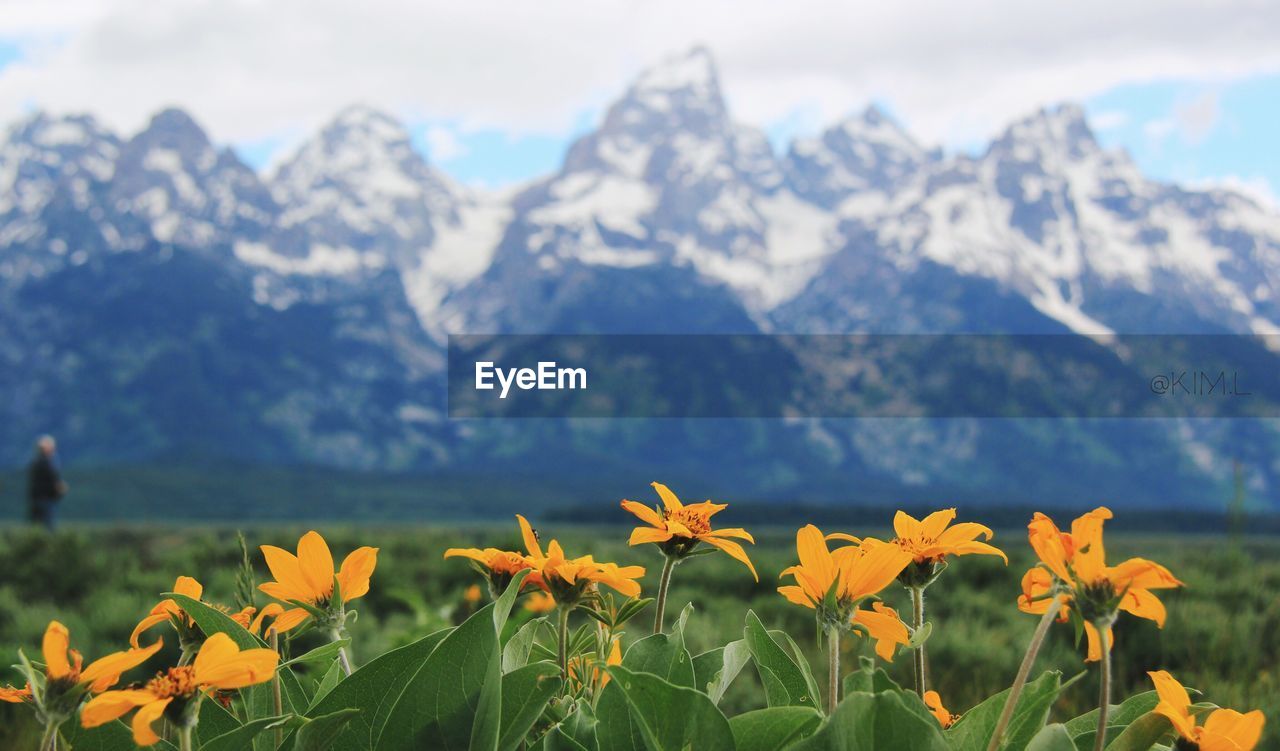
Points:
[(934, 524), (644, 513), (734, 550), (905, 525), (185, 585), (530, 539), (669, 500), (56, 643), (1143, 604), (113, 705), (737, 532), (316, 564), (143, 735), (357, 569), (885, 627), (642, 535), (284, 567), (1243, 730), (105, 672), (964, 532)]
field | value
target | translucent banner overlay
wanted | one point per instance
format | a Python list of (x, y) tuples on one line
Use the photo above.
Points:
[(871, 375)]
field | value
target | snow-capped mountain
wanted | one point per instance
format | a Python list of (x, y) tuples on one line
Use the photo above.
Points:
[(342, 271)]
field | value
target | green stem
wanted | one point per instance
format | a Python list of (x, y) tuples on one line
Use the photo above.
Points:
[(184, 738), (49, 741), (344, 659), (1104, 690), (564, 645), (1024, 670), (917, 607), (275, 687), (833, 669), (663, 584)]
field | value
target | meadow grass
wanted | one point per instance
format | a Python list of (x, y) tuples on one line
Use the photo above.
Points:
[(1222, 635)]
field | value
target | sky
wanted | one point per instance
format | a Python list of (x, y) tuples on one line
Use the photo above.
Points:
[(494, 93)]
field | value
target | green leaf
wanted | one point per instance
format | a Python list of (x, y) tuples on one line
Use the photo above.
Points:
[(869, 678), (972, 732), (214, 720), (454, 701), (670, 716), (113, 736), (555, 739), (375, 688), (787, 679), (663, 655), (324, 653), (875, 722), (321, 733), (515, 653), (332, 677), (242, 737), (525, 693), (1119, 714), (1141, 734), (773, 728), (1052, 738), (715, 670)]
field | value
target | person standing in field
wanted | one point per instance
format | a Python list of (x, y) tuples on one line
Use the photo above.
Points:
[(45, 487)]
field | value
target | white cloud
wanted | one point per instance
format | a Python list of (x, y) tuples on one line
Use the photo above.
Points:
[(252, 69), (1109, 120), (443, 144), (1198, 117)]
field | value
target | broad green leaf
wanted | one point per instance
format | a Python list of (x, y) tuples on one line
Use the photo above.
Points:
[(875, 722), (214, 720), (1141, 734), (972, 732), (321, 733), (454, 701), (515, 653), (671, 716), (1120, 714), (113, 736), (243, 736), (663, 655), (1052, 738), (786, 676), (773, 727), (870, 678), (324, 653), (716, 669), (556, 740), (374, 687), (525, 693)]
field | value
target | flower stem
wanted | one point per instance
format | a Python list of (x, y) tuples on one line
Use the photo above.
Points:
[(49, 741), (917, 603), (1024, 670), (564, 645), (663, 584), (344, 659), (275, 687), (833, 669), (184, 738), (1104, 690)]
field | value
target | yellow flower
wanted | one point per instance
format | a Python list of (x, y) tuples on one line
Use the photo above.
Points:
[(63, 666), (678, 528), (1224, 730), (569, 579), (498, 565), (835, 583), (15, 695), (170, 611), (1074, 565), (309, 577), (539, 602), (219, 665), (935, 538), (934, 702)]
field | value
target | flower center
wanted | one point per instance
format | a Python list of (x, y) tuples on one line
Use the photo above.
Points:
[(173, 683), (696, 522)]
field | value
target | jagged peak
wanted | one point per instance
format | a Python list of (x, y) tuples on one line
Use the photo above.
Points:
[(368, 119), (1063, 124), (48, 130), (873, 125), (692, 69), (176, 124)]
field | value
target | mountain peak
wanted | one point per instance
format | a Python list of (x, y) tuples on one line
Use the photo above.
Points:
[(1061, 126), (362, 118), (694, 69), (175, 126)]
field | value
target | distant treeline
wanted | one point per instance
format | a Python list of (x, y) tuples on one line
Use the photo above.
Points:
[(1000, 517)]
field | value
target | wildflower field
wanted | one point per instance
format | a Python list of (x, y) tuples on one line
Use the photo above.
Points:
[(532, 636)]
